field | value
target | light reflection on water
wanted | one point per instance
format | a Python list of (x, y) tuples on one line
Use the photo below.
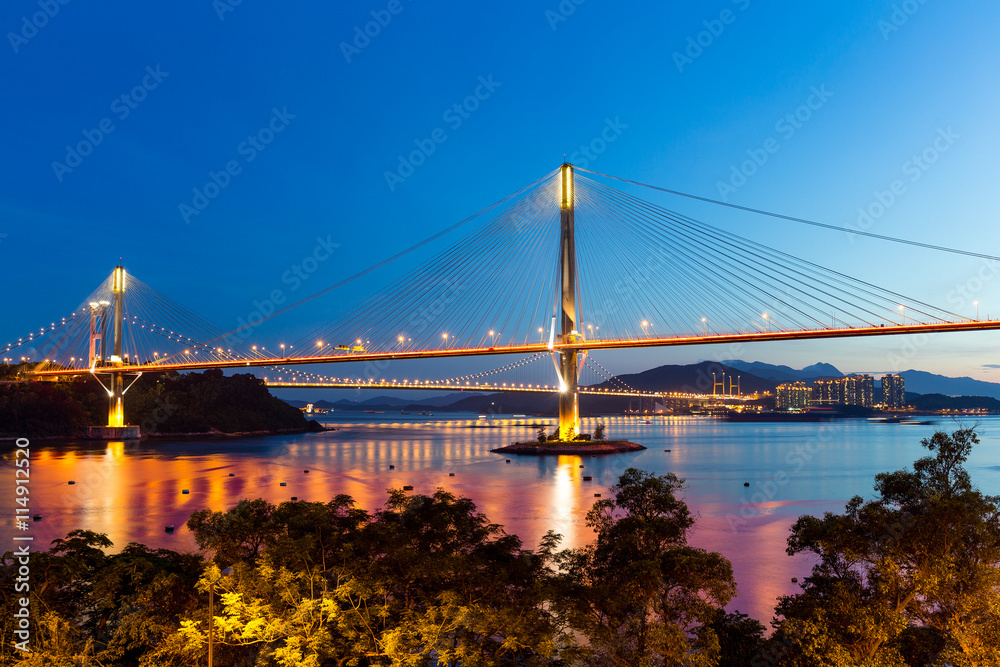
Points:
[(131, 491)]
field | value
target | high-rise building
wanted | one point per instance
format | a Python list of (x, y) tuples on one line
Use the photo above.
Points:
[(893, 391), (854, 390), (793, 396), (828, 392), (859, 390)]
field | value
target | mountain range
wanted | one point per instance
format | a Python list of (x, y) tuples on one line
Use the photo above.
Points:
[(786, 373), (698, 378)]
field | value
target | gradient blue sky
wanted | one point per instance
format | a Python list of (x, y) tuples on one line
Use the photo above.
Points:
[(895, 85)]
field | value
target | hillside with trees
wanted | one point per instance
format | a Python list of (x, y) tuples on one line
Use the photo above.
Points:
[(160, 404)]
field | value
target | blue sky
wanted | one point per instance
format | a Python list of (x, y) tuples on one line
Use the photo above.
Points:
[(693, 89)]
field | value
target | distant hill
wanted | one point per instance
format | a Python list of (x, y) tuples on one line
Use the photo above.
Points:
[(386, 402), (921, 382), (755, 376), (942, 402), (693, 378), (783, 373)]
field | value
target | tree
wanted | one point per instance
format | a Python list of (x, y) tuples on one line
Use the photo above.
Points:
[(914, 572), (639, 593), (599, 432), (541, 433), (448, 583), (140, 596), (740, 638), (266, 615), (238, 534)]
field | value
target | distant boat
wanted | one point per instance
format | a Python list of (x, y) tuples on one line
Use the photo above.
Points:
[(403, 412)]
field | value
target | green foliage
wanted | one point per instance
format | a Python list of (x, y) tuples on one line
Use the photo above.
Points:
[(89, 608), (423, 576), (238, 534), (599, 432), (541, 433), (170, 403), (911, 577), (45, 409), (640, 595), (199, 403), (740, 638)]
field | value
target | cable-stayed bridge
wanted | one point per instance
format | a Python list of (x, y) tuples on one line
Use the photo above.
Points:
[(568, 266)]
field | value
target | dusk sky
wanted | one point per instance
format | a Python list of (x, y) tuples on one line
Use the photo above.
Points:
[(116, 119)]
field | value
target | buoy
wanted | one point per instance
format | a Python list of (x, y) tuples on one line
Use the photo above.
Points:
[(666, 450), (746, 483), (37, 517), (508, 460), (169, 528), (581, 465), (185, 491), (597, 495), (587, 478), (282, 484), (451, 474), (232, 474), (407, 488), (392, 467), (305, 471), (71, 482)]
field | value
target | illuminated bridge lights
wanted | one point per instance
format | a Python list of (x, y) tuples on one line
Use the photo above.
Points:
[(236, 361)]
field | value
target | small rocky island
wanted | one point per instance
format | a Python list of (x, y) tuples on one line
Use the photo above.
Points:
[(585, 443)]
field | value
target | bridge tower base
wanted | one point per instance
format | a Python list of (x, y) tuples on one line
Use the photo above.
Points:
[(112, 433)]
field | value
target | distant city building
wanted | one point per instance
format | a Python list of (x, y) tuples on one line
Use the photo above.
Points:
[(893, 391), (828, 392), (793, 396), (859, 390), (854, 390)]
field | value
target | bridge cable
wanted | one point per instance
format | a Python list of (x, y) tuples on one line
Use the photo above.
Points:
[(804, 221)]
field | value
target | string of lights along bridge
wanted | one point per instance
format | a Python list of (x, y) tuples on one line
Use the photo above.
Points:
[(568, 266)]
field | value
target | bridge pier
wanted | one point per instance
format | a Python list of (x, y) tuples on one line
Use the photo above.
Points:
[(569, 396)]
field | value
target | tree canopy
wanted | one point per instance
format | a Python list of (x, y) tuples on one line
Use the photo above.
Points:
[(911, 577)]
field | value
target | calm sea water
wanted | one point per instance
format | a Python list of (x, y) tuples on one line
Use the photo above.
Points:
[(132, 491)]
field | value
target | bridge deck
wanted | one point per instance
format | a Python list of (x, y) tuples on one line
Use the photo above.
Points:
[(533, 348)]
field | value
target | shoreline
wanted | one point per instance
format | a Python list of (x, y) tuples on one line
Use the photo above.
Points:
[(213, 434)]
